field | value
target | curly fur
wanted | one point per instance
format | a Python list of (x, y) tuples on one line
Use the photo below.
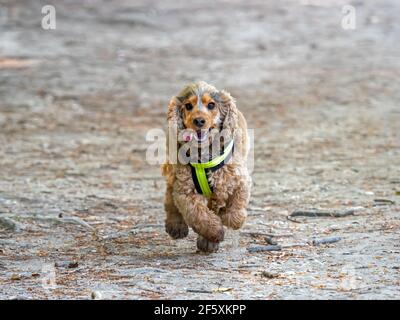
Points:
[(227, 206)]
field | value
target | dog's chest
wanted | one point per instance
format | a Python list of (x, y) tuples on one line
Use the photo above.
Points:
[(222, 181)]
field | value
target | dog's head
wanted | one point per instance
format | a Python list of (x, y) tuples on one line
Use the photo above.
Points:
[(199, 108)]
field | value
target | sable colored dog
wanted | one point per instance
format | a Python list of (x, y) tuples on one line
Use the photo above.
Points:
[(208, 187)]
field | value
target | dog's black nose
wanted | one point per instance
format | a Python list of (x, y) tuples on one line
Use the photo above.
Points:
[(199, 122)]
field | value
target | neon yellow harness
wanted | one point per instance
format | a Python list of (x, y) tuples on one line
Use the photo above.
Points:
[(200, 170)]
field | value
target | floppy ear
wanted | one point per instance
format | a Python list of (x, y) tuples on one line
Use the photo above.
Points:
[(175, 125), (174, 114), (229, 112)]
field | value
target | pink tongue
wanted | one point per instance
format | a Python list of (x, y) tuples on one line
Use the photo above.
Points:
[(199, 134)]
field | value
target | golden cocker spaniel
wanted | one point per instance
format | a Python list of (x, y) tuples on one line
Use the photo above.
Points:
[(208, 184)]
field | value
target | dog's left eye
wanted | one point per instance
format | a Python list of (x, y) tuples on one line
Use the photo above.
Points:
[(211, 106), (188, 106)]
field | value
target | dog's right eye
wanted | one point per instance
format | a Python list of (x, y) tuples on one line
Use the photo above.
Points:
[(188, 106)]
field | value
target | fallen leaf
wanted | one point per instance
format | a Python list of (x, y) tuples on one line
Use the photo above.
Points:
[(14, 63)]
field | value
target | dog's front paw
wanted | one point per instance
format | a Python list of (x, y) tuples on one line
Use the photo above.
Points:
[(177, 230), (207, 246)]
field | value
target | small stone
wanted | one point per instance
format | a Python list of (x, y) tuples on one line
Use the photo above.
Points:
[(20, 298), (15, 277), (269, 275), (96, 295), (270, 240), (67, 264)]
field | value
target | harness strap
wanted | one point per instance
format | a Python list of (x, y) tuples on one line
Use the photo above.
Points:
[(201, 171)]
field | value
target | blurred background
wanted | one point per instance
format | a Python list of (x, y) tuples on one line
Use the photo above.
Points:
[(317, 80)]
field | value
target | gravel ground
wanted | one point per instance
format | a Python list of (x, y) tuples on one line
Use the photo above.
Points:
[(81, 210)]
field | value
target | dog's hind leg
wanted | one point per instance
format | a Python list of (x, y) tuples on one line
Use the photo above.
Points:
[(175, 225)]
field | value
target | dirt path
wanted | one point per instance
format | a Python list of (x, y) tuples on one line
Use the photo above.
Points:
[(75, 106)]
